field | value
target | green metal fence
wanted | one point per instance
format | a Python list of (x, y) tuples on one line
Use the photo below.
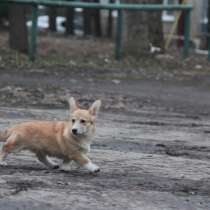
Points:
[(3, 10), (119, 7)]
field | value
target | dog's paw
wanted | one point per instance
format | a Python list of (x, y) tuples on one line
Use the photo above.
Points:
[(3, 163), (91, 167), (96, 171), (65, 167), (55, 167)]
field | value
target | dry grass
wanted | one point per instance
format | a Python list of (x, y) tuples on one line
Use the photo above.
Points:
[(55, 50)]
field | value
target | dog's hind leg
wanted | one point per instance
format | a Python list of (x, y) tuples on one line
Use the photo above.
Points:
[(42, 158), (2, 158)]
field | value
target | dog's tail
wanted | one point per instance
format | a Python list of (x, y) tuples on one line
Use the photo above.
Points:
[(4, 135)]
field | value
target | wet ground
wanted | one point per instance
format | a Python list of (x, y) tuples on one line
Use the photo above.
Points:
[(153, 159), (152, 141)]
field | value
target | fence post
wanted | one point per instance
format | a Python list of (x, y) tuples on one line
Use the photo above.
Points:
[(118, 44), (33, 33), (208, 46), (186, 33)]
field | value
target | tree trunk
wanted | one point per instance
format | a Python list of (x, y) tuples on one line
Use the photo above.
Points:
[(142, 28), (97, 20), (52, 18), (18, 36), (180, 28), (92, 20), (155, 27), (70, 21), (208, 27), (109, 22), (87, 21)]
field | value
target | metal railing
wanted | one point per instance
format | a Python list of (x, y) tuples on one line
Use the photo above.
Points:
[(119, 7)]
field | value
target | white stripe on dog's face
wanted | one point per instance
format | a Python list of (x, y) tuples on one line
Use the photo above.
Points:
[(79, 127)]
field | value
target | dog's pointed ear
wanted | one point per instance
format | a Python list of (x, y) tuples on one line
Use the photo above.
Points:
[(72, 104), (95, 108)]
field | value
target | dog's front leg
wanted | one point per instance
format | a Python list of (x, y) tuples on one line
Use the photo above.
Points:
[(86, 163)]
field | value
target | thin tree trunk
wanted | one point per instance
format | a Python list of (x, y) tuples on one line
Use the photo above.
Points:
[(97, 20), (110, 22), (70, 21), (92, 20), (52, 18), (87, 21), (209, 19), (18, 36), (180, 29)]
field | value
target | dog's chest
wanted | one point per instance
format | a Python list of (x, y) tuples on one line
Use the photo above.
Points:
[(85, 147)]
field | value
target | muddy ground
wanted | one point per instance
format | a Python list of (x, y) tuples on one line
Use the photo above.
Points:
[(152, 141)]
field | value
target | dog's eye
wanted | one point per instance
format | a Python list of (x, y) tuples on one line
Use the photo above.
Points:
[(83, 121), (73, 120)]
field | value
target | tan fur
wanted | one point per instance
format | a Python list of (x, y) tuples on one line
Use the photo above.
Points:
[(45, 138)]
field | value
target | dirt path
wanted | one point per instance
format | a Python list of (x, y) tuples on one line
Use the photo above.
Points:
[(152, 140), (153, 133), (153, 159)]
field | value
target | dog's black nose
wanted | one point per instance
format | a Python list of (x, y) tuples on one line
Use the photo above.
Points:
[(74, 131)]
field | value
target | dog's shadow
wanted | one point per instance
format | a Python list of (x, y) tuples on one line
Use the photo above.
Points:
[(33, 169), (22, 167)]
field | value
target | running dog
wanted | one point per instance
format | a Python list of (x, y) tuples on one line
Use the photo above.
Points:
[(67, 140)]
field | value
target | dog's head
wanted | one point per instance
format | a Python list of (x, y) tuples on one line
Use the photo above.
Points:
[(83, 120)]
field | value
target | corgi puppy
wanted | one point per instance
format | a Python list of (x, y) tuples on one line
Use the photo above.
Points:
[(68, 140)]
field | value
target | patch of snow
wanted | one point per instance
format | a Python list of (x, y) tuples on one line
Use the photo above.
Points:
[(43, 23)]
